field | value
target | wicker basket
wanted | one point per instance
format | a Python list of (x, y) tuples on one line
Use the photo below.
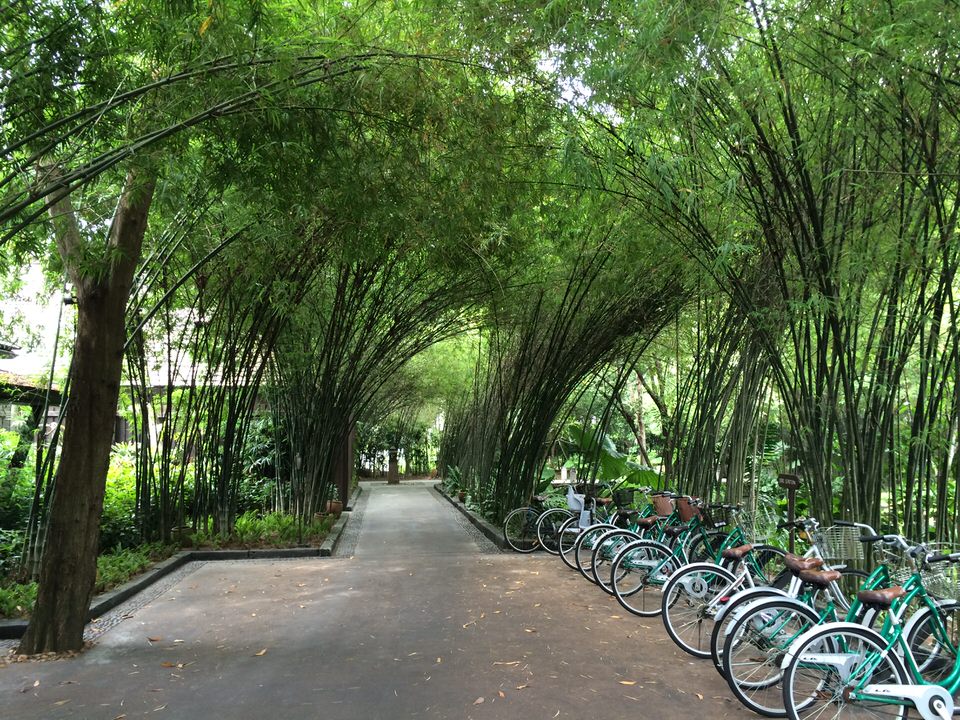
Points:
[(663, 505), (687, 510)]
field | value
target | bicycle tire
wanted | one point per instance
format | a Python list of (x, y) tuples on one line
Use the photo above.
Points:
[(703, 547), (730, 613), (754, 648), (638, 573), (689, 602), (810, 688), (607, 548), (583, 548), (566, 538), (743, 599), (934, 659), (548, 524), (520, 529)]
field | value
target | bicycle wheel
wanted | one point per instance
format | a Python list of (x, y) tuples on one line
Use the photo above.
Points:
[(730, 612), (566, 539), (703, 547), (817, 685), (583, 548), (638, 575), (691, 600), (933, 637), (754, 649), (607, 548), (548, 526), (768, 567), (520, 529)]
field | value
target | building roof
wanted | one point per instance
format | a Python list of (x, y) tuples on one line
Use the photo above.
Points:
[(24, 391)]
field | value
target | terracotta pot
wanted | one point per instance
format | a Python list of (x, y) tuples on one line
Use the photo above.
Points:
[(334, 507), (462, 496)]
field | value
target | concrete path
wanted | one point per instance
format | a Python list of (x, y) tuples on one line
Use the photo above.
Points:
[(423, 619)]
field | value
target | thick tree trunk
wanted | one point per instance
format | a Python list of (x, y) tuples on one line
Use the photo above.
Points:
[(69, 564)]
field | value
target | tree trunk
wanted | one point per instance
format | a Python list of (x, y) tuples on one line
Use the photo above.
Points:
[(69, 564)]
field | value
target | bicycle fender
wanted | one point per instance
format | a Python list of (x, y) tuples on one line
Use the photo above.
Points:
[(923, 612), (760, 591), (799, 605), (788, 656)]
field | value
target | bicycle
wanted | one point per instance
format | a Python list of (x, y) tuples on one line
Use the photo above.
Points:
[(522, 526), (833, 543), (849, 668), (640, 571)]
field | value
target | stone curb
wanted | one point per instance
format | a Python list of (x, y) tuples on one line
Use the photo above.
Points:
[(494, 534), (14, 629)]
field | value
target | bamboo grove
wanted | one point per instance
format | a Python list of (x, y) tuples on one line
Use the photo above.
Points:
[(730, 225)]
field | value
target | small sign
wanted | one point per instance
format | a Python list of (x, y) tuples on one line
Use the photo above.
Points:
[(790, 482)]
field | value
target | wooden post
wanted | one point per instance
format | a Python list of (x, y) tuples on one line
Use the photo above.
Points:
[(792, 484)]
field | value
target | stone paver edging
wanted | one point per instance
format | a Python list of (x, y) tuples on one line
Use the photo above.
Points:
[(101, 604), (494, 534)]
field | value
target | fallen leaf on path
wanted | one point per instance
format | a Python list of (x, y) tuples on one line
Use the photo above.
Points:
[(61, 702), (530, 630), (521, 687), (501, 693), (158, 709), (628, 682), (154, 639), (439, 660), (168, 664), (261, 653), (615, 617), (36, 683), (512, 662), (699, 696), (472, 622)]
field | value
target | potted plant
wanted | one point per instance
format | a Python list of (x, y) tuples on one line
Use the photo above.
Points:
[(334, 504)]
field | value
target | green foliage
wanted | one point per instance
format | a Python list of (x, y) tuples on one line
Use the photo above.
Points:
[(16, 599), (11, 550), (118, 524), (16, 484), (122, 564), (594, 450), (274, 529)]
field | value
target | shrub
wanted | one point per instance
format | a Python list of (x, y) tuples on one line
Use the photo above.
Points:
[(16, 600), (11, 550), (16, 484), (116, 568), (118, 524)]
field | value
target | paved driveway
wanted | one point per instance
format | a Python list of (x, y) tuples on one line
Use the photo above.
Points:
[(422, 619)]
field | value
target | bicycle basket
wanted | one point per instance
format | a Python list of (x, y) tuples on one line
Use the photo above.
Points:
[(942, 580), (624, 497), (687, 510), (841, 542), (663, 505)]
